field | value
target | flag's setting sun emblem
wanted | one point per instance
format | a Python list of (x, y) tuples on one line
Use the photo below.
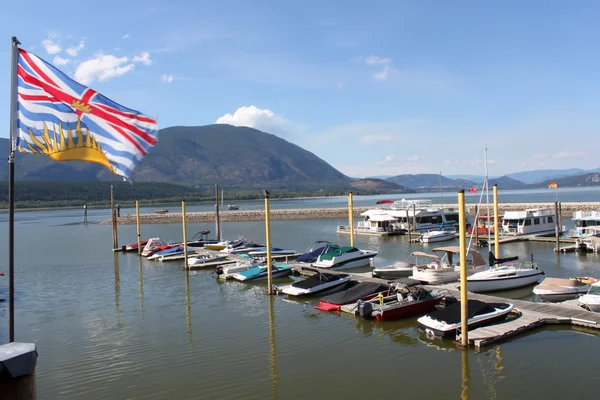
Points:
[(82, 147)]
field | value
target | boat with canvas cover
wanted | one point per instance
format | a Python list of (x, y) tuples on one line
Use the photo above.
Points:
[(504, 274), (359, 291), (134, 246), (226, 271), (260, 272), (317, 283), (404, 299), (561, 289), (447, 321), (591, 300), (155, 245), (262, 252), (443, 270), (324, 254), (404, 269)]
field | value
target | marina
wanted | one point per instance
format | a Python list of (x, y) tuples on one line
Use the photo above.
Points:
[(158, 311)]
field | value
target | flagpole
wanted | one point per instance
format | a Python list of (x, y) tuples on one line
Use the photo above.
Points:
[(11, 190)]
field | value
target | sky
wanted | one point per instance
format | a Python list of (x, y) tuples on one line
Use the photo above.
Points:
[(374, 88)]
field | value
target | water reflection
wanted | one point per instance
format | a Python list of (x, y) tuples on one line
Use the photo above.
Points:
[(273, 349), (465, 383), (188, 307), (141, 281), (117, 284)]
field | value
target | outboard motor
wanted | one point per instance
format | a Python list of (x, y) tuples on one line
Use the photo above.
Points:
[(219, 270), (365, 309)]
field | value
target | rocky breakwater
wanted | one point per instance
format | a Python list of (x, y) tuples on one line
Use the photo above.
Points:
[(327, 213), (233, 216)]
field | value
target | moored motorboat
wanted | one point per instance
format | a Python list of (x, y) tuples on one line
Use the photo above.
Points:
[(155, 245), (360, 291), (438, 236), (591, 300), (561, 289), (317, 283), (226, 271), (324, 254), (260, 272), (404, 269), (134, 246), (404, 299), (262, 251), (506, 276), (443, 270), (200, 260), (446, 322)]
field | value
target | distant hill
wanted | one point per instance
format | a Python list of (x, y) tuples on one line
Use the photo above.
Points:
[(429, 182), (542, 175), (237, 157), (505, 182), (379, 186), (591, 179)]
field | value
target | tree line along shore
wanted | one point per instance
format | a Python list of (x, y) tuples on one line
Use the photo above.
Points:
[(323, 213)]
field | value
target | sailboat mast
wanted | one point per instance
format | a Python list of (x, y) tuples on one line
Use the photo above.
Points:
[(487, 195), (441, 194)]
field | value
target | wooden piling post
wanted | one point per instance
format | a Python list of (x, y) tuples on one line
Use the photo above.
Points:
[(464, 315), (85, 214), (556, 227), (217, 215), (268, 242), (496, 219), (137, 222), (114, 218), (351, 218), (17, 371), (183, 223)]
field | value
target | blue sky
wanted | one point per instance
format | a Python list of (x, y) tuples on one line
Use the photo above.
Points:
[(373, 88)]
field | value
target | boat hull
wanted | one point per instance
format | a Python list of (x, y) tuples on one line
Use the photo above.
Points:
[(453, 331), (498, 284), (337, 263), (262, 276), (591, 302), (295, 291), (438, 237), (408, 310), (392, 273)]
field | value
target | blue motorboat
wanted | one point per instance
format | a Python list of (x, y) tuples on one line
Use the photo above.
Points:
[(261, 272)]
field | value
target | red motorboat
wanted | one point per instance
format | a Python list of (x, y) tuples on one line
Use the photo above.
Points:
[(134, 246), (357, 291), (385, 202), (402, 301), (155, 245)]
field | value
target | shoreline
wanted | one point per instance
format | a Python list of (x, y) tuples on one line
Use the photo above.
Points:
[(325, 213)]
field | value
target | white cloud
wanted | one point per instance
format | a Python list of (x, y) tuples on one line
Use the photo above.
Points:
[(143, 58), (386, 63), (74, 50), (415, 157), (102, 67), (387, 160), (58, 61), (261, 119), (51, 44), (125, 36), (166, 78)]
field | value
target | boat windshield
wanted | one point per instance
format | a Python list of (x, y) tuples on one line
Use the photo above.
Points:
[(594, 290)]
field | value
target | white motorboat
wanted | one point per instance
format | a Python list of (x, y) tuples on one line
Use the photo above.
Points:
[(317, 283), (528, 222), (561, 289), (438, 236), (506, 276), (323, 254), (443, 270), (404, 269), (447, 322), (201, 260), (226, 271), (591, 300)]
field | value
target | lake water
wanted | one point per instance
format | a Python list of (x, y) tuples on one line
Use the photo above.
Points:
[(112, 326)]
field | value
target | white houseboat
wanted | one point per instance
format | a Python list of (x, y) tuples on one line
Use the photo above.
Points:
[(528, 222), (582, 220)]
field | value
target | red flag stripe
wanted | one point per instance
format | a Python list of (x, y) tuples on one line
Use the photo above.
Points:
[(127, 115)]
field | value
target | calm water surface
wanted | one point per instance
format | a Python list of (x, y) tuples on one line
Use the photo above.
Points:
[(114, 326)]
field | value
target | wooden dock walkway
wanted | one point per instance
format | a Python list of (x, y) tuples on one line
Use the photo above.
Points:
[(526, 316)]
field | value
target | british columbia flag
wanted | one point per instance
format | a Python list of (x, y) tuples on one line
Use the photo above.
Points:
[(67, 121)]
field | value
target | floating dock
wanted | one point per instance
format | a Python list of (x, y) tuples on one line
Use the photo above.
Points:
[(526, 316)]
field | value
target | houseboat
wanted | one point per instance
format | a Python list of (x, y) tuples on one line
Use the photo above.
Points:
[(582, 220), (422, 215), (529, 222), (377, 222)]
